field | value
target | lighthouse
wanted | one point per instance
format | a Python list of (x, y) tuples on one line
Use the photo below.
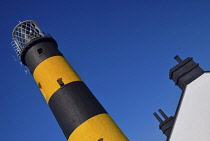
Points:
[(77, 111)]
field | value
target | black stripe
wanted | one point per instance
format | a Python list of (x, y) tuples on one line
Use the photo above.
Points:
[(38, 50), (72, 105)]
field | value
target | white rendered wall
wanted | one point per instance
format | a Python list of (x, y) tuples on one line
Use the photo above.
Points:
[(193, 118)]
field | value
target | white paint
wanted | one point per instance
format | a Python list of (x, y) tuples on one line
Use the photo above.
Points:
[(193, 118)]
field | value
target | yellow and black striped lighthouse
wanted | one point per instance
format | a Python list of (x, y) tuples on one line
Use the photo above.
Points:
[(77, 111)]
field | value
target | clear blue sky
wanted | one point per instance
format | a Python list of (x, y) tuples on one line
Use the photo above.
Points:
[(122, 49)]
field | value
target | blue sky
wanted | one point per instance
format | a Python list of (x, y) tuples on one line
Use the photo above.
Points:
[(123, 50)]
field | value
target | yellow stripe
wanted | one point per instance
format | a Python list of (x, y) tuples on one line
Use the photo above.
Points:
[(49, 71), (98, 128)]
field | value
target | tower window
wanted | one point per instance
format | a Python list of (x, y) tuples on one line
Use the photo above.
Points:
[(40, 50), (60, 82), (39, 85)]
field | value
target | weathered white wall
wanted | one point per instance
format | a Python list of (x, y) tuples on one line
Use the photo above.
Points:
[(193, 120)]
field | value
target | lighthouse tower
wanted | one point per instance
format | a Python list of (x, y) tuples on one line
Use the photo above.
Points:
[(77, 111)]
